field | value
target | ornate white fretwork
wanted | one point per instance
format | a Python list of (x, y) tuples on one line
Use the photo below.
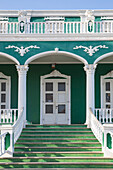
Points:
[(91, 50), (21, 50)]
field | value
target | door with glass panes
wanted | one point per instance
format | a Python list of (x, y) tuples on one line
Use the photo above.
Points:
[(4, 94), (55, 101), (108, 93)]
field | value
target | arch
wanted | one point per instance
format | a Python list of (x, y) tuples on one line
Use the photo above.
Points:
[(102, 57), (10, 57), (55, 52)]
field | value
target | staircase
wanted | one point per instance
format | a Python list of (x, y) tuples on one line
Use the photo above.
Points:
[(58, 146)]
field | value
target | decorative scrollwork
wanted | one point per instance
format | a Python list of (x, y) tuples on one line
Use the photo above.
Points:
[(21, 50), (91, 50)]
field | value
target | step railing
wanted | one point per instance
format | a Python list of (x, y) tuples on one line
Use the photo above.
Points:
[(8, 116), (104, 115), (96, 126), (103, 132), (10, 134), (56, 27)]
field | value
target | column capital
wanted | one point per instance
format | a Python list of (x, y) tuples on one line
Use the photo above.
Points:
[(22, 68), (90, 68)]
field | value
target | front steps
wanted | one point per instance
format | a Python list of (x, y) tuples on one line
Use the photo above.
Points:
[(63, 146)]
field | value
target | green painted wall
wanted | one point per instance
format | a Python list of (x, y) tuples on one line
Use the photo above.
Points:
[(39, 19), (78, 88), (102, 69), (13, 19), (72, 19), (10, 70)]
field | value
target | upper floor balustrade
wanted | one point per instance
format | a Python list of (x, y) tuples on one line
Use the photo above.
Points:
[(56, 27)]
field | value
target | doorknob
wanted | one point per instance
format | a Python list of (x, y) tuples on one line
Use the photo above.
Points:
[(56, 107)]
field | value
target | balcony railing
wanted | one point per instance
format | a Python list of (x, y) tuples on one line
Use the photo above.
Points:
[(56, 27)]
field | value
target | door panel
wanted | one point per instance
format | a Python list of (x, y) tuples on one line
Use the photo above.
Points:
[(55, 101)]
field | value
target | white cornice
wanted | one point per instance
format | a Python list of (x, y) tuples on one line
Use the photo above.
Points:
[(58, 37), (44, 13)]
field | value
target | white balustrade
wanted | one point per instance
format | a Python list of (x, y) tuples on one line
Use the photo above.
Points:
[(18, 126), (2, 143), (104, 115), (96, 127), (56, 27), (8, 115), (13, 131)]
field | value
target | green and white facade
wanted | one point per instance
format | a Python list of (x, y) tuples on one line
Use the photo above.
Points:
[(56, 65)]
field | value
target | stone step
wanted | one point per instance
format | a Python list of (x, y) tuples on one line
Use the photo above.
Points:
[(78, 135), (56, 143), (90, 132)]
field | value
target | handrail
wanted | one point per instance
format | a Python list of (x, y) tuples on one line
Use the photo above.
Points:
[(14, 132), (96, 127)]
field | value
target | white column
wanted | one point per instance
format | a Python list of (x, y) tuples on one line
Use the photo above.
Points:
[(90, 97), (22, 72)]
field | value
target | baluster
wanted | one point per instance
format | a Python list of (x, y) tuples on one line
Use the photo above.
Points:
[(59, 27), (34, 28), (73, 28), (66, 27), (11, 115), (77, 27), (52, 27), (96, 113), (38, 28), (31, 28), (106, 115), (110, 117), (103, 116), (69, 28), (9, 28), (6, 115), (41, 28), (100, 24), (3, 28), (3, 116), (96, 27), (14, 115), (100, 115), (63, 27)]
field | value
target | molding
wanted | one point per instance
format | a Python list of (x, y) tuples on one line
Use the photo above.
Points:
[(102, 57), (91, 50), (42, 13), (21, 50), (58, 37), (54, 73), (10, 57), (29, 60)]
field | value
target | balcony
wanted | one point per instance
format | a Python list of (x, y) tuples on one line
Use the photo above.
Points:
[(56, 27)]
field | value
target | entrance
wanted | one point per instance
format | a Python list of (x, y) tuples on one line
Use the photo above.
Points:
[(55, 99)]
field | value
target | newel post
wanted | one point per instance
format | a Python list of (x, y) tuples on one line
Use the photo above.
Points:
[(90, 97), (22, 72)]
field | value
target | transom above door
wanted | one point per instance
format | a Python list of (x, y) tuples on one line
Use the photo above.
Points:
[(55, 99)]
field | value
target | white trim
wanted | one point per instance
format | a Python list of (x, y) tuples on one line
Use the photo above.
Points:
[(102, 57), (8, 89), (54, 52), (58, 37), (10, 57), (54, 73), (44, 13), (103, 80)]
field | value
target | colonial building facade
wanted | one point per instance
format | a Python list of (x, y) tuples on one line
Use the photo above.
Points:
[(56, 65)]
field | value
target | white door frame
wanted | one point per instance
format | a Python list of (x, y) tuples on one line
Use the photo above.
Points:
[(103, 80), (54, 73)]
